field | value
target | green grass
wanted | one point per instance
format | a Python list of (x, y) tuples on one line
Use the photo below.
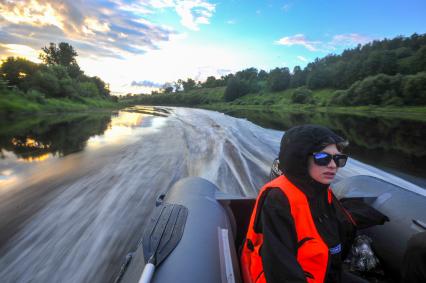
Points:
[(17, 103), (417, 113), (215, 93), (281, 101)]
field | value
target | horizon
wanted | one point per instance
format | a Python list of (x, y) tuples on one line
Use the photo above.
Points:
[(138, 46)]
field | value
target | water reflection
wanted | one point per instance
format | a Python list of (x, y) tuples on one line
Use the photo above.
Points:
[(395, 145), (30, 140), (37, 138), (150, 110)]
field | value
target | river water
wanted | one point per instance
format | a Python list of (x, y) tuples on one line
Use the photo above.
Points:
[(75, 192)]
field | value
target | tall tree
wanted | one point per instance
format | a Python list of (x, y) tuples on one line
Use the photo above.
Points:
[(235, 88), (177, 85), (102, 86), (262, 75), (210, 82), (279, 79), (63, 54), (188, 84), (298, 77), (249, 74), (167, 88)]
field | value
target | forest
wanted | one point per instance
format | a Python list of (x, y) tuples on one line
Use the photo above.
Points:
[(382, 72), (57, 77)]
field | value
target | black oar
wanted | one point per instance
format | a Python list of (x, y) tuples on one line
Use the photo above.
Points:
[(162, 234)]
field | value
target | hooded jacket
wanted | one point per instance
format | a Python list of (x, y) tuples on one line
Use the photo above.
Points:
[(273, 219)]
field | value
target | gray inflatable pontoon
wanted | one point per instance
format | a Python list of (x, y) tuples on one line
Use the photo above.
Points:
[(405, 209), (201, 228)]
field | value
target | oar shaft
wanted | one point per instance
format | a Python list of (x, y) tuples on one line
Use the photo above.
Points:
[(147, 273)]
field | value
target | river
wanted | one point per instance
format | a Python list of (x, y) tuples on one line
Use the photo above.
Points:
[(75, 191)]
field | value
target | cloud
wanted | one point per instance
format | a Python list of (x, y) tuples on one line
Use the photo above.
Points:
[(146, 83), (299, 39), (349, 39), (194, 13), (301, 58), (110, 28), (231, 22), (337, 41), (18, 50)]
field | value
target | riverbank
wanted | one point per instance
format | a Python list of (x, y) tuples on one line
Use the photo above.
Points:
[(22, 105), (213, 99), (417, 113)]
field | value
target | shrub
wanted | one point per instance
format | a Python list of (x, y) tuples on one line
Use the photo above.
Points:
[(88, 89), (46, 82), (68, 88), (36, 96), (302, 95), (3, 85), (395, 101), (374, 90), (414, 89), (339, 97)]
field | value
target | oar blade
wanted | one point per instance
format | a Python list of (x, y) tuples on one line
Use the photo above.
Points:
[(164, 231)]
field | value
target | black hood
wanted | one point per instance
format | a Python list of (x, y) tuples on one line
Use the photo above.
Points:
[(296, 146)]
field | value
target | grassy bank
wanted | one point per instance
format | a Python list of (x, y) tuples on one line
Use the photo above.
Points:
[(411, 113), (11, 104), (212, 98)]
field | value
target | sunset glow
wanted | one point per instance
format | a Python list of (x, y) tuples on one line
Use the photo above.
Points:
[(31, 12), (137, 46)]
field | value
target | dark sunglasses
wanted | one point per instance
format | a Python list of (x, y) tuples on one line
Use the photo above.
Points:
[(324, 158)]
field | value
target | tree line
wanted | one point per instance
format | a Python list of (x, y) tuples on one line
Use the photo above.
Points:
[(382, 72), (58, 76)]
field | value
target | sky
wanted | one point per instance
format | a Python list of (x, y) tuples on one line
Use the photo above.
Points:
[(137, 46)]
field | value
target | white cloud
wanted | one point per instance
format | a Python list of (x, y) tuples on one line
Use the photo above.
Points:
[(299, 39), (19, 50), (95, 25), (337, 41), (31, 12), (301, 58), (231, 22), (349, 39), (194, 13), (191, 12), (110, 28), (141, 8)]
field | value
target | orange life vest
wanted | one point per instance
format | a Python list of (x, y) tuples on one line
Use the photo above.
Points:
[(312, 255)]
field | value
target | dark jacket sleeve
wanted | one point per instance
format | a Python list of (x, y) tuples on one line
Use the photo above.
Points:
[(279, 240), (363, 214)]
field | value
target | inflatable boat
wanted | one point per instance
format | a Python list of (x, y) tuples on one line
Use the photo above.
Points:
[(195, 230)]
